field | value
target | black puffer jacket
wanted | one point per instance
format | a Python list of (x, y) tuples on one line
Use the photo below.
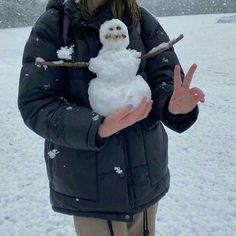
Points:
[(125, 173)]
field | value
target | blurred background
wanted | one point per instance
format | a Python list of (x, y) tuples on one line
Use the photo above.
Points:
[(18, 13)]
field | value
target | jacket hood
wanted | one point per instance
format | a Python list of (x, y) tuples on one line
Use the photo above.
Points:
[(56, 4)]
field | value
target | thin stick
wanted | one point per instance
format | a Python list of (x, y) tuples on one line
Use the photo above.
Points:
[(152, 53), (62, 64), (162, 48)]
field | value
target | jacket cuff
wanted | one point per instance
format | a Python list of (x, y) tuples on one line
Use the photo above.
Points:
[(97, 142), (180, 122)]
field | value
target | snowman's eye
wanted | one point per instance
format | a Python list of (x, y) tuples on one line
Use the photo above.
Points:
[(111, 29), (118, 28)]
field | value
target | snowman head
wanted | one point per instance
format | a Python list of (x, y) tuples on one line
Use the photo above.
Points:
[(114, 35)]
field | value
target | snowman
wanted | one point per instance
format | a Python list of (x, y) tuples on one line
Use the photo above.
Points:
[(117, 83)]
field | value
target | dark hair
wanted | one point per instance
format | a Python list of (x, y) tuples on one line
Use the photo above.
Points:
[(119, 7)]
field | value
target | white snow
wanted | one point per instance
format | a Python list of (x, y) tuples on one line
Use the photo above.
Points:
[(65, 52), (118, 170), (163, 45), (110, 33), (116, 84), (53, 153), (202, 196), (96, 117), (64, 100), (163, 60), (39, 59), (47, 86), (58, 62)]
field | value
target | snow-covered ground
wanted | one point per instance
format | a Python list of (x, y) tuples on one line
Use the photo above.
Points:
[(202, 197)]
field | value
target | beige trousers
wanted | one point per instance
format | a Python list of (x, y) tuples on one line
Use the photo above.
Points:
[(98, 227)]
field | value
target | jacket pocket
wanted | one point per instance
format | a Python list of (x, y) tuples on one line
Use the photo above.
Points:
[(73, 172), (156, 149), (141, 182), (113, 191)]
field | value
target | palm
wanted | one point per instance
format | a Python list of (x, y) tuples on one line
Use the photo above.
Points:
[(184, 98)]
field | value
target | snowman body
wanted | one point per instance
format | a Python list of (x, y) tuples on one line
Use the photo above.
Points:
[(116, 84)]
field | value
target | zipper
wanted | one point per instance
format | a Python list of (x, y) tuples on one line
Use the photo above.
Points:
[(129, 177)]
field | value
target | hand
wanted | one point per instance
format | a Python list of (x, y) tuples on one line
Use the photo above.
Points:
[(184, 99), (124, 117)]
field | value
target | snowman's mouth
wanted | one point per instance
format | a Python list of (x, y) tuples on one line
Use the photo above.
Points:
[(115, 37)]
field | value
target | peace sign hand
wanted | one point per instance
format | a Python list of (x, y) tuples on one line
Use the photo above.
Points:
[(184, 99)]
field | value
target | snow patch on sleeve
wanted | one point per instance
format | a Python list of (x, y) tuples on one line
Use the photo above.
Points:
[(96, 117), (118, 170), (53, 153)]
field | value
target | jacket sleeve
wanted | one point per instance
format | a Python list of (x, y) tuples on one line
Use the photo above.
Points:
[(41, 96), (160, 73)]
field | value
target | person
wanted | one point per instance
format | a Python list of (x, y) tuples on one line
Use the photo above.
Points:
[(108, 172)]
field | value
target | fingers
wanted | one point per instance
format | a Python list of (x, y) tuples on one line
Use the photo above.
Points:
[(148, 109), (198, 94), (177, 77), (121, 113), (189, 76), (132, 117), (145, 113), (140, 112), (126, 118)]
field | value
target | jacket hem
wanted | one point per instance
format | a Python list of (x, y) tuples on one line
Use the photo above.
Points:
[(122, 217)]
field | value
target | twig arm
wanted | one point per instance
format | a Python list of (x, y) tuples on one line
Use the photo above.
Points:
[(162, 47), (155, 51), (62, 64)]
